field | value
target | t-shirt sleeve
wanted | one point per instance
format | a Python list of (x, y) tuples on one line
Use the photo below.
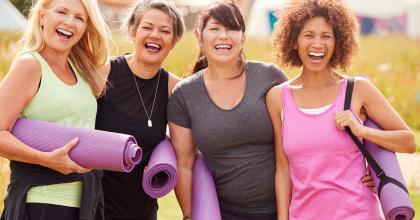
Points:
[(177, 109), (278, 74)]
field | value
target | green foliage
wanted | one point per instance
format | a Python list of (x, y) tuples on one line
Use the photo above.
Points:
[(22, 5)]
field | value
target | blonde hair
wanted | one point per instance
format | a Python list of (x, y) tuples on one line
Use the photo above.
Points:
[(87, 55)]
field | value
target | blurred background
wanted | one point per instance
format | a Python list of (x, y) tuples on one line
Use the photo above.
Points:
[(389, 55)]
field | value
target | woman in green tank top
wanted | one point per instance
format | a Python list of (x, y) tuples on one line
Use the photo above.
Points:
[(54, 78)]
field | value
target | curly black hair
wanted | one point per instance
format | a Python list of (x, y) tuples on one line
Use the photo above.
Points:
[(294, 16)]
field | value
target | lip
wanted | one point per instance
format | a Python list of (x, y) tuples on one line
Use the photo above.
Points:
[(223, 47), (153, 47), (64, 34)]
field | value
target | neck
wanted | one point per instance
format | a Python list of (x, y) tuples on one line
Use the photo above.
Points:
[(225, 72), (54, 57), (140, 68), (311, 79)]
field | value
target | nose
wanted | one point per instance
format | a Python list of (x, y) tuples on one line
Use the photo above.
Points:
[(68, 21), (154, 33), (223, 34), (317, 42)]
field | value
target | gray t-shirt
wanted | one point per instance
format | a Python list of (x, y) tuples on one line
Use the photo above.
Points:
[(237, 144)]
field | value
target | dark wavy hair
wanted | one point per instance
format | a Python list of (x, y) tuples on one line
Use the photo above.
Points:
[(226, 13), (294, 16)]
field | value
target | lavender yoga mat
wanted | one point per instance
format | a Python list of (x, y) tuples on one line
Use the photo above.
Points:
[(395, 202), (205, 205), (161, 174), (96, 149)]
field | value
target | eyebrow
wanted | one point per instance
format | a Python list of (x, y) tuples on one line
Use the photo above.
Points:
[(150, 23), (66, 9)]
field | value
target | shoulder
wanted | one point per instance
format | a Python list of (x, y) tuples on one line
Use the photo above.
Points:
[(268, 69), (172, 81), (190, 82), (362, 85), (26, 66), (274, 98)]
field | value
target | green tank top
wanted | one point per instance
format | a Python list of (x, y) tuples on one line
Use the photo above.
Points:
[(61, 103)]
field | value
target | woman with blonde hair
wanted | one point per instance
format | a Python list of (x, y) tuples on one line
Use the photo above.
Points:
[(54, 78)]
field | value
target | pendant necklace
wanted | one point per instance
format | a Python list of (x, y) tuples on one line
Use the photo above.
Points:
[(149, 117)]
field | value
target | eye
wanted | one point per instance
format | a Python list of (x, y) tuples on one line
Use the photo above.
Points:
[(61, 12), (80, 18), (146, 28), (165, 32)]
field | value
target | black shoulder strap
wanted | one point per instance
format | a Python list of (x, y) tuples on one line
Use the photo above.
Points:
[(384, 179)]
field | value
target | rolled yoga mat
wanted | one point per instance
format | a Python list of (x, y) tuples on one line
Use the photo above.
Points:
[(205, 205), (395, 202), (161, 173), (96, 149)]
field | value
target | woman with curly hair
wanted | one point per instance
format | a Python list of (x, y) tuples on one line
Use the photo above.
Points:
[(317, 163)]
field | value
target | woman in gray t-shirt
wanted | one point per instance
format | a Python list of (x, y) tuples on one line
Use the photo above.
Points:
[(221, 111)]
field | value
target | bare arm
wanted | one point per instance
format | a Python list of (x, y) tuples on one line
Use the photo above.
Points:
[(16, 91), (172, 81), (282, 176), (104, 71), (396, 135), (185, 154)]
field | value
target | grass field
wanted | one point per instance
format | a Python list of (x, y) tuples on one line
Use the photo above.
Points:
[(391, 62)]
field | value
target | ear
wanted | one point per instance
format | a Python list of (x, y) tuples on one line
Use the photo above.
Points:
[(243, 40), (41, 17), (295, 46)]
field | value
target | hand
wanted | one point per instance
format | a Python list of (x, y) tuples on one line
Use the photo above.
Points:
[(367, 180), (60, 161), (346, 118)]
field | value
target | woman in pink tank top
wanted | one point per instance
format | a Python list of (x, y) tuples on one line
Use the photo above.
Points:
[(318, 167)]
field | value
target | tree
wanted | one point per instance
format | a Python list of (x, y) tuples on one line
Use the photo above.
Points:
[(22, 5)]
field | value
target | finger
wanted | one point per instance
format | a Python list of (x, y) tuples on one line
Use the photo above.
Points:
[(80, 169), (71, 144)]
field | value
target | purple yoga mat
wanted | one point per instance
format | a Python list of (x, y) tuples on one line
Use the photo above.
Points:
[(161, 174), (205, 205), (96, 149), (395, 202)]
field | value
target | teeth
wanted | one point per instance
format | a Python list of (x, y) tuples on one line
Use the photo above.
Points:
[(223, 46), (320, 54), (65, 32), (153, 45)]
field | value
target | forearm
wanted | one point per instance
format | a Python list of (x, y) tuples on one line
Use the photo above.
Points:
[(397, 140), (13, 149), (183, 189), (283, 193)]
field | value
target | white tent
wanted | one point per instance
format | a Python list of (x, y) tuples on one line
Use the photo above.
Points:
[(10, 18), (259, 24), (378, 8), (413, 20)]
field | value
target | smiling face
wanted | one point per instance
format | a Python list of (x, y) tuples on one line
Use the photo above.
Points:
[(64, 24), (154, 37), (221, 44), (315, 44)]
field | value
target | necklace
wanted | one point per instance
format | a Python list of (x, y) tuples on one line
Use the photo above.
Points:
[(149, 117)]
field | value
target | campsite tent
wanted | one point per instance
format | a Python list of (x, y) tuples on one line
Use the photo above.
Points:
[(10, 18), (390, 15), (261, 17)]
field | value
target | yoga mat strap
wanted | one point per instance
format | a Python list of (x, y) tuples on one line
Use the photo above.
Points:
[(379, 172), (384, 179)]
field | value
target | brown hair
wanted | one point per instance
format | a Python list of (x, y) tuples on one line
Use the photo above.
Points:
[(226, 13), (143, 6), (294, 16)]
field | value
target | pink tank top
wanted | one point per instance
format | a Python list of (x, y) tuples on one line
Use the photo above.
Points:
[(325, 165)]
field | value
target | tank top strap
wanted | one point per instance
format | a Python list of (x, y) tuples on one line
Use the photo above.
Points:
[(339, 102), (45, 68), (48, 74), (286, 96)]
